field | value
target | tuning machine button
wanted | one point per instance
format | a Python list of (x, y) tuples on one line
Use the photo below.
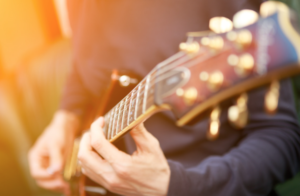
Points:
[(190, 96), (244, 18), (215, 80), (238, 114), (214, 124), (220, 24), (242, 38), (243, 65), (270, 7), (190, 48), (272, 97)]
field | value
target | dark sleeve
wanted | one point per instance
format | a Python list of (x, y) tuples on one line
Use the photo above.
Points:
[(76, 96), (268, 154)]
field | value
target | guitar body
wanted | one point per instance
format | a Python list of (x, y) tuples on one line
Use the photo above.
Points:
[(121, 84)]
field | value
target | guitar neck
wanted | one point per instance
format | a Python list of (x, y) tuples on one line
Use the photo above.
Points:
[(136, 104), (139, 104)]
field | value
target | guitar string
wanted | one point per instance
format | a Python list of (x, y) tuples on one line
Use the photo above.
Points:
[(157, 80), (159, 77)]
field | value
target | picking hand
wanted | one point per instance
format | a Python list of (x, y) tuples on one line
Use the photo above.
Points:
[(46, 156)]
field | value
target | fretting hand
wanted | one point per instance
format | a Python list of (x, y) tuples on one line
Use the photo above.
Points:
[(145, 172)]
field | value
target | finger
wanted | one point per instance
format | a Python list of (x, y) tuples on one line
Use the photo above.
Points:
[(56, 159), (86, 155), (107, 150), (144, 140), (89, 159), (57, 184), (35, 164)]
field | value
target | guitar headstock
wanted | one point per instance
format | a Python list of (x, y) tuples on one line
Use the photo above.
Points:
[(229, 62)]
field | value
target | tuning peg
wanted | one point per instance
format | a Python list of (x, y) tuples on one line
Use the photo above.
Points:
[(242, 38), (244, 18), (190, 96), (190, 48), (270, 7), (214, 124), (220, 24), (243, 65), (238, 114), (215, 80), (271, 98)]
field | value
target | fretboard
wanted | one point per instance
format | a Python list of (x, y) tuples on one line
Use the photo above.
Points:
[(139, 101), (130, 108)]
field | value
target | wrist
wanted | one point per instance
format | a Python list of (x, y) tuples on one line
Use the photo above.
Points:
[(67, 119)]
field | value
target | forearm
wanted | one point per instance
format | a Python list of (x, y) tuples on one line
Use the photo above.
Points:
[(268, 153)]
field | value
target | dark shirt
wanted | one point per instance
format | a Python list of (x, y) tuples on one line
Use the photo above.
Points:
[(136, 35)]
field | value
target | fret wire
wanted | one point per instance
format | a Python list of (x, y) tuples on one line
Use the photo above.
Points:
[(110, 125), (118, 124), (114, 121), (125, 105), (129, 109), (136, 102), (145, 94), (105, 124)]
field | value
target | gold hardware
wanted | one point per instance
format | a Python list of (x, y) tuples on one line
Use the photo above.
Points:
[(205, 41), (272, 97), (238, 114), (190, 48), (244, 18), (233, 60), (200, 33), (231, 35), (214, 124), (270, 7), (244, 38), (216, 43), (190, 95), (126, 80), (204, 76), (215, 80), (179, 92), (220, 24), (245, 65)]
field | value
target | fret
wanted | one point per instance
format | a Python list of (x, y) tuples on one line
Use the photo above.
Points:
[(139, 107), (130, 117), (106, 119), (125, 112), (110, 124), (137, 101), (114, 121), (146, 93), (120, 114)]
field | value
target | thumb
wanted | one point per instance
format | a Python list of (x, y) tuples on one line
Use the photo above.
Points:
[(56, 160), (144, 140)]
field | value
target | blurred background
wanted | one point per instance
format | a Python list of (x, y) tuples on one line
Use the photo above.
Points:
[(35, 54), (35, 57)]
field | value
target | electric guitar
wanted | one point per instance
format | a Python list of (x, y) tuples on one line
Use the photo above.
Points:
[(212, 68)]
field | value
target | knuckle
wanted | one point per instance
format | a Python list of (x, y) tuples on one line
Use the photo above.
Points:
[(112, 184), (81, 156), (96, 144)]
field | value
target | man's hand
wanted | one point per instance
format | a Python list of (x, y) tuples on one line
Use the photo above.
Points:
[(145, 172), (46, 156)]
